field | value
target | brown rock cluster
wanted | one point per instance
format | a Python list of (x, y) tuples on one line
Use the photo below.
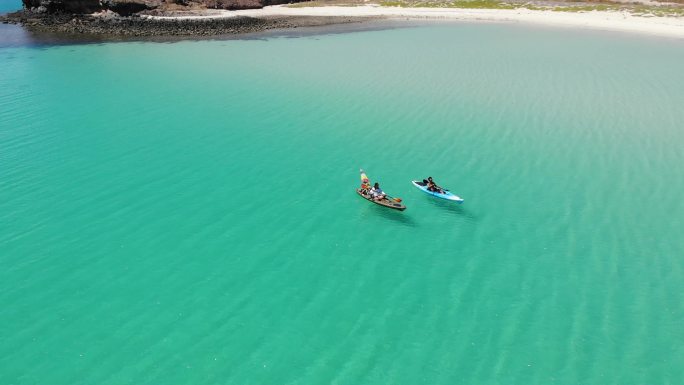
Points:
[(130, 7)]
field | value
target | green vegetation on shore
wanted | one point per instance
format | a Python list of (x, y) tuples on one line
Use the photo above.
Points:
[(466, 4), (667, 9), (662, 11)]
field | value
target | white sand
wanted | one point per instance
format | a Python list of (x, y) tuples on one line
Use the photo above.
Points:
[(601, 20)]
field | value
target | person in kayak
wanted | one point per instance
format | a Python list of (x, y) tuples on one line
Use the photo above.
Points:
[(365, 184), (377, 193), (432, 186)]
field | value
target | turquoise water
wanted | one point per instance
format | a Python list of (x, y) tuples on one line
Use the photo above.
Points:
[(9, 5), (185, 213)]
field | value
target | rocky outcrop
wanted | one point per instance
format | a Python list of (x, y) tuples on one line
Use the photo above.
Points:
[(231, 4), (136, 17), (102, 28), (130, 7), (68, 6)]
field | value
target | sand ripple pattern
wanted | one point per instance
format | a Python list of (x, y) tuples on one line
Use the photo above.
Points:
[(184, 213)]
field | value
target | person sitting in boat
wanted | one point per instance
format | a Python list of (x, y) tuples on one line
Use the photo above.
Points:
[(432, 186), (365, 186), (377, 193)]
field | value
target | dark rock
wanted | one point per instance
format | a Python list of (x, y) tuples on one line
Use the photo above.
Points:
[(232, 4), (73, 17), (28, 4), (122, 7), (277, 2), (71, 6), (129, 7), (114, 26)]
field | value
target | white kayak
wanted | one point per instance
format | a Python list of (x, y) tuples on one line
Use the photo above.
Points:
[(444, 195)]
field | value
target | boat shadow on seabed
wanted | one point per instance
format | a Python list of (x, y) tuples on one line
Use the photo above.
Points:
[(399, 217), (451, 208)]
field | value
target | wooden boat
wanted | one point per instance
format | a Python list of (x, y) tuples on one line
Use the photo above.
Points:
[(386, 202)]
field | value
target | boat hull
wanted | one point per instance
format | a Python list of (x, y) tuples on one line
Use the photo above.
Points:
[(390, 204), (446, 195)]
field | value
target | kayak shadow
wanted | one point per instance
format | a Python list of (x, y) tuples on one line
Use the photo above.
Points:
[(453, 208), (394, 215)]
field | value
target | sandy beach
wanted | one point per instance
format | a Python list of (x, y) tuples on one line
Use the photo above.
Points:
[(597, 20)]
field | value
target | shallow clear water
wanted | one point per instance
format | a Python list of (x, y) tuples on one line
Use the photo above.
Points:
[(9, 6), (185, 213)]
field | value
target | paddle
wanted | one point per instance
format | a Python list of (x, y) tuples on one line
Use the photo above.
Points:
[(440, 188), (366, 180)]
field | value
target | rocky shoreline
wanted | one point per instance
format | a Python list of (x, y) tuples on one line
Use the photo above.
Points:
[(125, 18), (136, 26), (173, 20)]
